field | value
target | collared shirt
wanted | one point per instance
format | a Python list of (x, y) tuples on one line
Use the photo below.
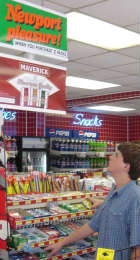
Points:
[(118, 220)]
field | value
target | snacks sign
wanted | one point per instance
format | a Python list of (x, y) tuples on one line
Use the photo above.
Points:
[(31, 86), (32, 29)]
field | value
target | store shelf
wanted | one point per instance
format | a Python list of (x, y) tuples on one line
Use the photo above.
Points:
[(46, 220), (69, 169), (70, 254), (46, 243), (73, 170), (78, 153), (54, 199)]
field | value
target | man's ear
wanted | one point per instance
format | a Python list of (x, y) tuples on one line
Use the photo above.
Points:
[(127, 166)]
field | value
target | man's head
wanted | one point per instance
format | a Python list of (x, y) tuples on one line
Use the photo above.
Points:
[(131, 156), (126, 161)]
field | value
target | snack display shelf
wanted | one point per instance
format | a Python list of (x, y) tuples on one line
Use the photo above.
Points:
[(47, 220), (74, 253), (46, 243), (34, 201)]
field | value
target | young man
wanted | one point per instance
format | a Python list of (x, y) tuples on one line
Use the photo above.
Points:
[(118, 219)]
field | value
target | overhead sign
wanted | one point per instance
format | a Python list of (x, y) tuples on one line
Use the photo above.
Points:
[(31, 86), (79, 119), (30, 28), (8, 115)]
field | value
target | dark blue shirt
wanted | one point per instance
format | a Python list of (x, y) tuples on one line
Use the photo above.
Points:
[(118, 220)]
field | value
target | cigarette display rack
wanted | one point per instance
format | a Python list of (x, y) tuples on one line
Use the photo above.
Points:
[(53, 198), (59, 218)]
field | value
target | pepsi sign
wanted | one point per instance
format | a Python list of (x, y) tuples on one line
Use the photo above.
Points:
[(85, 134), (54, 132), (81, 121)]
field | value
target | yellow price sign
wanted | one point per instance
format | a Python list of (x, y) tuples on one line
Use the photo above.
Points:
[(105, 254), (16, 203), (55, 258), (27, 202), (65, 255)]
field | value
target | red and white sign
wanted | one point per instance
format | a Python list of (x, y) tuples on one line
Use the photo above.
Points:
[(31, 85)]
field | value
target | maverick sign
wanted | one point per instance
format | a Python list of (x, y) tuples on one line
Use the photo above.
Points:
[(31, 86), (33, 29)]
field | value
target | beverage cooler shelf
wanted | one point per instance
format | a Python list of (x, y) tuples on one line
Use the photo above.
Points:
[(74, 170), (15, 224), (34, 201), (55, 169), (80, 154)]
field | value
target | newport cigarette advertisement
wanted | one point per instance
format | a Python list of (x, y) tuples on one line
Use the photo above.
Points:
[(30, 28), (31, 86)]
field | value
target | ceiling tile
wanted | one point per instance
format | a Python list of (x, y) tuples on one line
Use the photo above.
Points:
[(105, 74), (134, 27), (132, 68), (77, 68), (77, 50), (133, 52), (107, 60), (126, 80), (56, 7), (39, 2), (117, 12), (75, 3)]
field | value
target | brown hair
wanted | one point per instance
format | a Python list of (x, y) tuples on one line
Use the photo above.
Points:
[(131, 155)]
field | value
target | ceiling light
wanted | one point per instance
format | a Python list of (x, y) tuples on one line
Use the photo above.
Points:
[(111, 108), (77, 82), (96, 32)]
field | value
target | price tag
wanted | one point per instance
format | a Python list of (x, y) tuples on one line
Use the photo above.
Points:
[(105, 254), (55, 258), (16, 203), (27, 202), (38, 201), (74, 253), (55, 218), (19, 223), (51, 242), (65, 255), (84, 251), (45, 219), (28, 222), (41, 244), (36, 220), (49, 199)]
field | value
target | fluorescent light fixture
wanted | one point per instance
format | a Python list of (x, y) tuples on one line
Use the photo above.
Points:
[(111, 108), (77, 82), (96, 32)]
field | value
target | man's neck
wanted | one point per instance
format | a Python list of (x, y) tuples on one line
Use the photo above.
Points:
[(121, 183)]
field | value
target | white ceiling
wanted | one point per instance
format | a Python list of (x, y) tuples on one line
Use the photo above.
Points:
[(120, 67)]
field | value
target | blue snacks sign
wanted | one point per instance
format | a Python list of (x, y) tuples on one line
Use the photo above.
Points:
[(79, 119)]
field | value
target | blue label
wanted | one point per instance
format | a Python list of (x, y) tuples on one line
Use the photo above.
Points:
[(8, 115), (85, 134), (55, 132)]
